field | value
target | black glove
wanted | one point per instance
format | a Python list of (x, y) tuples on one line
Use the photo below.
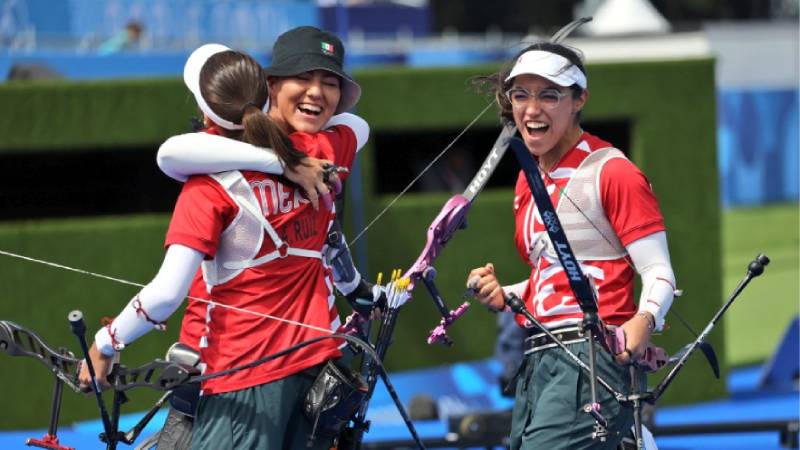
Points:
[(366, 297)]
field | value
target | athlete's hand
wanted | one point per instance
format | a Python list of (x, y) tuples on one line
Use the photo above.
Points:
[(637, 336), (486, 288), (368, 299), (102, 366), (310, 175)]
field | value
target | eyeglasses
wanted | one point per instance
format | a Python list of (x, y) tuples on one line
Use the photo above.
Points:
[(547, 98)]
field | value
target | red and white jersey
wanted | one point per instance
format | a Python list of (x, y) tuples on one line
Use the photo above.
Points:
[(295, 288), (632, 212)]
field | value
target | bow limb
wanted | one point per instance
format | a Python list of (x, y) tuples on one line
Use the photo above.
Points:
[(16, 340)]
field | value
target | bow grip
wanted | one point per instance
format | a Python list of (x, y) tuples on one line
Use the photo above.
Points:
[(355, 324), (439, 334)]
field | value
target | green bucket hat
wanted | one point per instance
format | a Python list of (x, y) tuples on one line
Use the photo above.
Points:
[(304, 49)]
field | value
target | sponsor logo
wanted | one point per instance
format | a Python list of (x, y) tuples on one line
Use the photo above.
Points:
[(569, 263), (486, 170), (550, 221)]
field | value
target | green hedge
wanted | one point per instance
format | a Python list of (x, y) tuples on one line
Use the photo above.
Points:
[(55, 116), (673, 141), (39, 297)]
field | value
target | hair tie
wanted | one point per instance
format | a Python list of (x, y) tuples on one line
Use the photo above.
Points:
[(247, 105)]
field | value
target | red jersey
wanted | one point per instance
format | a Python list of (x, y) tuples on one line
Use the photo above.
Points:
[(294, 288), (632, 211)]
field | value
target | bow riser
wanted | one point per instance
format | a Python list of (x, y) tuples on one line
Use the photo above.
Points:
[(158, 375), (451, 218)]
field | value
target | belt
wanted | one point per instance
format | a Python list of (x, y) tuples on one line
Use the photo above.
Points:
[(537, 340)]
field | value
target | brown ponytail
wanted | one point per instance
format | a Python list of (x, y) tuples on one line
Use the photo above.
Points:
[(262, 131), (234, 86)]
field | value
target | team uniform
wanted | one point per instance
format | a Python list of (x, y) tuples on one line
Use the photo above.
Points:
[(277, 272), (633, 213), (616, 197)]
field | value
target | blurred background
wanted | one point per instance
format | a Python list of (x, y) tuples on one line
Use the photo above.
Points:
[(702, 94)]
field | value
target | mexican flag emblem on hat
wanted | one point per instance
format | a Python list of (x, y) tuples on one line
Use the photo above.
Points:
[(327, 48)]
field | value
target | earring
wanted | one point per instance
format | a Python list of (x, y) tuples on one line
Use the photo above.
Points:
[(197, 125)]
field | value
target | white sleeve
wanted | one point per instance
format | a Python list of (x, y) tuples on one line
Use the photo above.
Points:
[(156, 301), (517, 289), (358, 125), (650, 256), (202, 153)]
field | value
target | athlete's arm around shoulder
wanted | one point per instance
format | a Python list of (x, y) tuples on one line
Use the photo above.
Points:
[(188, 154), (356, 124), (201, 153)]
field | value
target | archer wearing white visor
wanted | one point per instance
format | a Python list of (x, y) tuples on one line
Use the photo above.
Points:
[(615, 228)]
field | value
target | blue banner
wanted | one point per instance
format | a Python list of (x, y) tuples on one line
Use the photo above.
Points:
[(758, 146)]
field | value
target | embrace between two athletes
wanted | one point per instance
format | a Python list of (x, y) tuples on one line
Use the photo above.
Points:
[(287, 125)]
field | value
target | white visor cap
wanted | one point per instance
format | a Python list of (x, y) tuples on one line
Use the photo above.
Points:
[(191, 76), (554, 67)]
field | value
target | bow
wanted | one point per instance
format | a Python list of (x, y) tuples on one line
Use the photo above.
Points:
[(16, 340), (159, 375)]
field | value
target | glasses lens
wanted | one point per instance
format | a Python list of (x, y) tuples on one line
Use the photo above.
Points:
[(549, 98), (518, 97)]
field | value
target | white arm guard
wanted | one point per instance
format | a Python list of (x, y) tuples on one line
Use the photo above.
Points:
[(650, 256), (201, 153), (156, 301)]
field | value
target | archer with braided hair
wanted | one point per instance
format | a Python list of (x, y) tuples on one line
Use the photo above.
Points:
[(615, 228), (258, 242)]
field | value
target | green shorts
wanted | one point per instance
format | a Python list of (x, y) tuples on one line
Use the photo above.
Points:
[(268, 417), (551, 392)]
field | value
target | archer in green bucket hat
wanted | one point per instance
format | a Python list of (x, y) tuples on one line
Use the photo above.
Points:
[(304, 49)]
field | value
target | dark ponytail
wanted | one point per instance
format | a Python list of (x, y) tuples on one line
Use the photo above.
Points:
[(262, 131), (234, 86)]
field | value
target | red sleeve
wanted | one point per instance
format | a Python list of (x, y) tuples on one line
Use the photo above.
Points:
[(337, 144), (202, 211), (629, 202)]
